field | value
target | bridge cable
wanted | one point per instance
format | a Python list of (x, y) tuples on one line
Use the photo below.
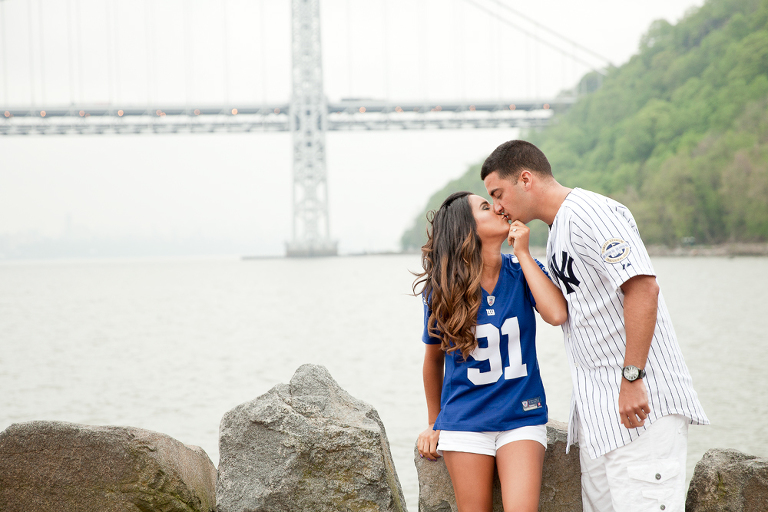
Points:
[(79, 51), (499, 53), (5, 53), (537, 63), (349, 49), (528, 76), (116, 38), (550, 31), (529, 34), (108, 13), (187, 53), (71, 60), (263, 55), (31, 57), (42, 50), (148, 43), (225, 25), (385, 56), (458, 29), (423, 57)]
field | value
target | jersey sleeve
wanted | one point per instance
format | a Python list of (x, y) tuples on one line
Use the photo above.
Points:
[(425, 336), (610, 242)]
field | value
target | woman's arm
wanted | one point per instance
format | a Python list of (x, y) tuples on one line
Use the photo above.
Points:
[(550, 302), (434, 360)]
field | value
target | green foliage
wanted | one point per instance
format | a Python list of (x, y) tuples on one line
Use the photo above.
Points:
[(677, 130), (679, 133)]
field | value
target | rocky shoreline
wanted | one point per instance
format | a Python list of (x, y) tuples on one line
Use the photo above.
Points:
[(303, 446)]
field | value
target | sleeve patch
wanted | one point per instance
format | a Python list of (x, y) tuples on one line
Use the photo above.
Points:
[(614, 250)]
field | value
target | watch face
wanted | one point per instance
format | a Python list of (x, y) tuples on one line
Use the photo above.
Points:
[(631, 373)]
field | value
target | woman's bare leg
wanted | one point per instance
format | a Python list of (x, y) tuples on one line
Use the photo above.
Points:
[(520, 464), (472, 477)]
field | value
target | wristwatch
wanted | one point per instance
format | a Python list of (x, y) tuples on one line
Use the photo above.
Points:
[(632, 373)]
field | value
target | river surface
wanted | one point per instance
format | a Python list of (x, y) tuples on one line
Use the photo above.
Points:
[(171, 345)]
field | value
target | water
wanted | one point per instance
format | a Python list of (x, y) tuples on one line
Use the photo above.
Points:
[(171, 345)]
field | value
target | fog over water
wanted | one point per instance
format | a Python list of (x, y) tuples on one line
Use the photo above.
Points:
[(224, 193)]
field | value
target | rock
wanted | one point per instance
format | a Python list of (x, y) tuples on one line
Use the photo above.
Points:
[(50, 465), (728, 480), (561, 477), (560, 487), (303, 446)]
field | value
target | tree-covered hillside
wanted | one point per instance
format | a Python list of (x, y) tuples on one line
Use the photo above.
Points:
[(679, 133)]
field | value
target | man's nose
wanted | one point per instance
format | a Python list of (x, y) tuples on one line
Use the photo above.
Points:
[(497, 208)]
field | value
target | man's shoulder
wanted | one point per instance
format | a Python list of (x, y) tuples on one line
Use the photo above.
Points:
[(582, 196), (588, 206)]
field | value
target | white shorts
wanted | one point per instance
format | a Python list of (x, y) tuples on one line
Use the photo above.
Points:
[(646, 474), (486, 443)]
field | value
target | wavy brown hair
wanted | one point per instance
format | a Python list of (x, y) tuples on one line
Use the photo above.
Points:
[(452, 263)]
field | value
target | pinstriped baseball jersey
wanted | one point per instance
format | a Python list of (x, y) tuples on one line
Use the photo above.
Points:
[(594, 247)]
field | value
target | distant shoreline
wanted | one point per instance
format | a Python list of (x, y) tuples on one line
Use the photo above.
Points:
[(726, 250), (729, 250)]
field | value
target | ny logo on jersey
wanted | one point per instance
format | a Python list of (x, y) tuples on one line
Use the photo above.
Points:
[(565, 272)]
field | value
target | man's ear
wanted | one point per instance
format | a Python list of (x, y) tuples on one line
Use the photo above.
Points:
[(526, 179)]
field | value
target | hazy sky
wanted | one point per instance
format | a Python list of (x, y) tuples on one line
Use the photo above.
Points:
[(163, 52)]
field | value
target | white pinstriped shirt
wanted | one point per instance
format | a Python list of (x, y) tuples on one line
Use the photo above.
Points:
[(594, 247)]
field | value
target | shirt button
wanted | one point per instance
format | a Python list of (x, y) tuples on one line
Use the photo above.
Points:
[(663, 507), (658, 477)]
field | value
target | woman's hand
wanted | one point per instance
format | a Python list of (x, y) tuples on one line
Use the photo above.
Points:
[(550, 302), (518, 237), (427, 443)]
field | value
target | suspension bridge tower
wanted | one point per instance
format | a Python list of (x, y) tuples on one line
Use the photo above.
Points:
[(308, 123)]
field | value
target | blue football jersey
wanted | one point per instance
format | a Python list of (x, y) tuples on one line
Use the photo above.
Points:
[(499, 386)]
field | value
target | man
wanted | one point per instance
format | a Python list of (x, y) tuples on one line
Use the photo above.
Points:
[(632, 393)]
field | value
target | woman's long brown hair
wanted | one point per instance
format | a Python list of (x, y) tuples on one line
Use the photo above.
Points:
[(453, 263)]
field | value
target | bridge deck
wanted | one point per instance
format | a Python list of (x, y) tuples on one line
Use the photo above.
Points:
[(347, 115)]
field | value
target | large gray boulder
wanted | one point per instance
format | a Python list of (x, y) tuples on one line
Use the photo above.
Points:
[(560, 487), (303, 446), (55, 466), (728, 480)]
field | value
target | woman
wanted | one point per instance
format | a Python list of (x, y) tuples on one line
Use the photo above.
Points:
[(488, 412)]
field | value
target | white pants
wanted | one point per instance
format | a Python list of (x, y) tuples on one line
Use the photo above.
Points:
[(644, 475)]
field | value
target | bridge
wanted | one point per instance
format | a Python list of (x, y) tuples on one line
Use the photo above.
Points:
[(308, 115), (346, 115)]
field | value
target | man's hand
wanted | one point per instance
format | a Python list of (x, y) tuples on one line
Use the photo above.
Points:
[(427, 443), (633, 403)]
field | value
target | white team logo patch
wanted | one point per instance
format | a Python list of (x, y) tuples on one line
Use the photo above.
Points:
[(491, 300), (615, 250), (531, 404)]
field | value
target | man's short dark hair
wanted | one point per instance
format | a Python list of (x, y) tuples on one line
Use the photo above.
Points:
[(510, 158)]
